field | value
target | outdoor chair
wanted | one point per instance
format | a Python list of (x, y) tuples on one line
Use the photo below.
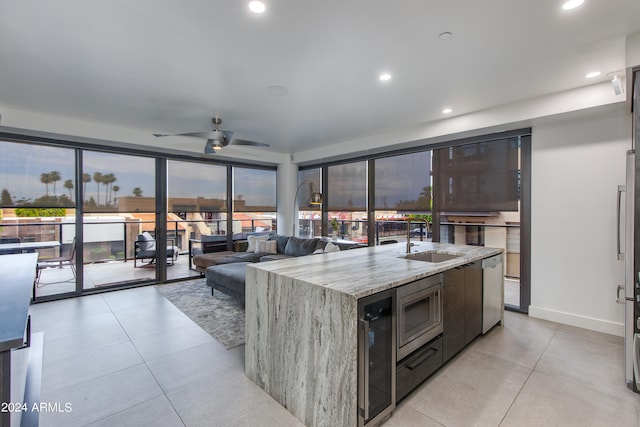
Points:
[(67, 257), (145, 248)]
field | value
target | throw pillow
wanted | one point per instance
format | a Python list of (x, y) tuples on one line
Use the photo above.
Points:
[(331, 248), (266, 247), (146, 242), (252, 242)]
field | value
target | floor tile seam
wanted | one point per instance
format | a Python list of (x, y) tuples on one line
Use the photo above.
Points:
[(133, 406), (146, 364), (582, 386), (47, 362), (106, 374), (524, 383), (165, 394), (542, 372), (173, 328), (172, 352), (493, 356), (502, 358), (424, 415), (80, 353)]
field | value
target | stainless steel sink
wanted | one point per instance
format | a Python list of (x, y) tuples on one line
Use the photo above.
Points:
[(431, 256)]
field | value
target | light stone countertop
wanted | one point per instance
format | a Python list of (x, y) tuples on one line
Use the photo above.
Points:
[(366, 271)]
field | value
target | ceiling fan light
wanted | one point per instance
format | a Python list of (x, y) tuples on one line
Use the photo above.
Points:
[(208, 149)]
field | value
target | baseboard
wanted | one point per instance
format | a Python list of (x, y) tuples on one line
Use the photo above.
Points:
[(571, 319)]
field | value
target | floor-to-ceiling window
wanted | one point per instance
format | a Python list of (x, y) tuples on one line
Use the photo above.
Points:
[(38, 208), (124, 216), (346, 198), (478, 201), (254, 201), (403, 197), (119, 205), (474, 191), (197, 208), (309, 214)]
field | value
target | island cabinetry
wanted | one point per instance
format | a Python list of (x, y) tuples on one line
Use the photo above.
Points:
[(376, 357), (462, 308)]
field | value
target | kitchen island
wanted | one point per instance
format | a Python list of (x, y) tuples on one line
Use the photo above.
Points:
[(302, 322)]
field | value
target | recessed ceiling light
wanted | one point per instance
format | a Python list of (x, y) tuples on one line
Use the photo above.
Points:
[(444, 36), (384, 77), (257, 7), (446, 110), (572, 4), (592, 74)]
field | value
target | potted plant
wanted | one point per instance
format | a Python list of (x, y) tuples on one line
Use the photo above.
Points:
[(335, 227)]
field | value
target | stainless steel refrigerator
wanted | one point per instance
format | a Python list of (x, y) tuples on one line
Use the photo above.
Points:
[(629, 250)]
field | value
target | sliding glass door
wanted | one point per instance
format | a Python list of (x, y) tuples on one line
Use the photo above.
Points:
[(37, 205), (119, 206), (197, 211)]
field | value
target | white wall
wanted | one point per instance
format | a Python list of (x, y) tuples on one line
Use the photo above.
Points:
[(577, 165)]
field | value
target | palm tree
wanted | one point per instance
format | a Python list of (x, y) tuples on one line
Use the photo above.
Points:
[(55, 177), (68, 184), (115, 189), (108, 180), (137, 192), (97, 178), (85, 178), (45, 178)]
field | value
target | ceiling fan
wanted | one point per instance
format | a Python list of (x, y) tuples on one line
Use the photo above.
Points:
[(216, 138)]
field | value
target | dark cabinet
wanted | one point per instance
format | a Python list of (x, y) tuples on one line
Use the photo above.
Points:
[(472, 301), (376, 357), (461, 308)]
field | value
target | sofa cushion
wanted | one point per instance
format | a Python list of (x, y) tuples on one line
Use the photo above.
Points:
[(300, 247), (321, 244), (202, 261), (330, 247), (252, 242), (266, 246), (241, 257), (281, 242)]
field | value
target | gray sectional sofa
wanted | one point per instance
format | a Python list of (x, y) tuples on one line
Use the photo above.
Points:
[(227, 274)]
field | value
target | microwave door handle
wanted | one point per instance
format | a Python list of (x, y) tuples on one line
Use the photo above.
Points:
[(620, 254)]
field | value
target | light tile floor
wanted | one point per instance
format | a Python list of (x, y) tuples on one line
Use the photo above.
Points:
[(130, 358)]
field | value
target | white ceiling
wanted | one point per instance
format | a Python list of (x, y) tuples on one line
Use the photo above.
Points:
[(168, 66)]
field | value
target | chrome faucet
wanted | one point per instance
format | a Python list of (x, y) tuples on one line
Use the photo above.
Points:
[(426, 230), (409, 244)]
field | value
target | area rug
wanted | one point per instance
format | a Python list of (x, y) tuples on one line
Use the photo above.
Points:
[(220, 315)]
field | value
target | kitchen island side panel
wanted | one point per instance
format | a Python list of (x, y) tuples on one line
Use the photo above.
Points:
[(301, 347)]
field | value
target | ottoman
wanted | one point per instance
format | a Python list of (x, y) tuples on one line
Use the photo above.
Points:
[(228, 278)]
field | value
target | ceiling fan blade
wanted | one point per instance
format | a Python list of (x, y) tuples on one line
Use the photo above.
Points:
[(160, 135), (237, 141)]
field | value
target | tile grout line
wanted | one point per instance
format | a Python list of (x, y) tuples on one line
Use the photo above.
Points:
[(528, 377), (146, 366)]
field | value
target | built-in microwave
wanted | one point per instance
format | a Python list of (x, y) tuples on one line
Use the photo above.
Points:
[(419, 314)]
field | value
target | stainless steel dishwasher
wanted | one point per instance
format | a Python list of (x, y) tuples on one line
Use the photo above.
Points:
[(492, 292)]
